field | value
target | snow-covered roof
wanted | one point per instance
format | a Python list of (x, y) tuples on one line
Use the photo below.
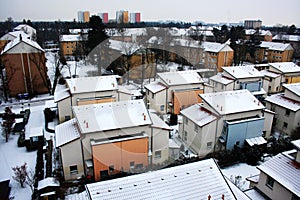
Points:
[(296, 143), (126, 48), (290, 38), (240, 72), (26, 29), (260, 32), (122, 114), (71, 38), (61, 94), (48, 182), (282, 101), (294, 88), (198, 115), (285, 67), (269, 73), (284, 171), (20, 40), (66, 132), (13, 35), (36, 131), (180, 77), (112, 32), (50, 104), (277, 46), (196, 180), (221, 79), (158, 122), (124, 89), (155, 87), (230, 102), (92, 84), (256, 141), (215, 47)]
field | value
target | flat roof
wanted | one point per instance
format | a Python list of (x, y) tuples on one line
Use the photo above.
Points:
[(198, 115), (195, 180), (92, 84), (282, 101), (240, 72), (180, 77), (230, 102), (111, 116), (66, 132)]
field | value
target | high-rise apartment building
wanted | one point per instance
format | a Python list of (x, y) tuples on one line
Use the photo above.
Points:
[(83, 16), (104, 17), (252, 24), (135, 17), (122, 16)]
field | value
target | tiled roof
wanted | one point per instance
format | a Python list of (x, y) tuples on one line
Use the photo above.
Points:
[(180, 77), (285, 67), (230, 102), (198, 115), (92, 84), (282, 101), (284, 171), (66, 132), (196, 180), (111, 116)]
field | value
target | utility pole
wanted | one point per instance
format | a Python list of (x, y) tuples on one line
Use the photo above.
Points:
[(3, 82)]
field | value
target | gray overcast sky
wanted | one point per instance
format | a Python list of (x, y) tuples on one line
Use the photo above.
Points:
[(271, 12)]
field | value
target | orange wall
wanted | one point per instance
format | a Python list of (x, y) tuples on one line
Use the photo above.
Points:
[(123, 153), (185, 98)]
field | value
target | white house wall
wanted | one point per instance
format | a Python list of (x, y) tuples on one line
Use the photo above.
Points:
[(71, 155), (158, 100), (64, 109), (277, 193)]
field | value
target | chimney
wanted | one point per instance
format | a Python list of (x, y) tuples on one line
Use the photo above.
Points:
[(209, 197), (223, 196), (144, 117), (87, 125)]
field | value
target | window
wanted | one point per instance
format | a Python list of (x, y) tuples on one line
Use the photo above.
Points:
[(285, 125), (157, 154), (131, 164), (73, 169), (67, 118), (111, 168), (287, 112), (196, 128), (103, 174), (152, 95), (185, 136), (139, 166), (269, 88), (270, 182), (162, 107), (209, 145)]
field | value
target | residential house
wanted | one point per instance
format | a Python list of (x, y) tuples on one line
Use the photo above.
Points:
[(27, 30), (287, 108), (170, 183), (271, 81), (279, 177), (85, 90), (294, 40), (262, 35), (224, 120), (87, 142), (289, 73), (239, 77), (174, 91), (274, 52), (25, 66), (72, 44), (198, 128)]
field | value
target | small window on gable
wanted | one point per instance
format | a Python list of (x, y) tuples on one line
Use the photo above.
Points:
[(270, 182), (209, 145), (73, 169), (287, 112), (285, 125), (157, 154)]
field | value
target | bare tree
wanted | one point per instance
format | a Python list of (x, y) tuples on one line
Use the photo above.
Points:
[(23, 175)]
